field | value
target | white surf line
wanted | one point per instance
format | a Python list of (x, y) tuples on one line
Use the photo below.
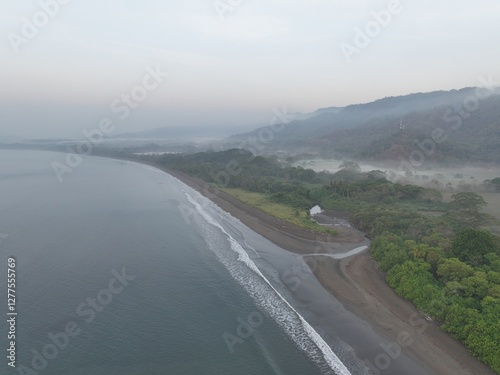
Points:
[(329, 356), (340, 256)]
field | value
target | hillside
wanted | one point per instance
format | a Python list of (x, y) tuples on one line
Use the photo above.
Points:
[(373, 131)]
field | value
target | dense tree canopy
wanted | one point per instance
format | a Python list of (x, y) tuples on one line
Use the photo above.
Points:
[(468, 202), (445, 264), (471, 245)]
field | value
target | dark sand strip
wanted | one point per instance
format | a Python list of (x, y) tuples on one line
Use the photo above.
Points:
[(358, 284)]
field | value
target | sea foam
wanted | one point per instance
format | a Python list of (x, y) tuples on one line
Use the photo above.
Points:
[(279, 308)]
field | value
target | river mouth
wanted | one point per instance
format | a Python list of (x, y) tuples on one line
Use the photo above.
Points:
[(348, 242)]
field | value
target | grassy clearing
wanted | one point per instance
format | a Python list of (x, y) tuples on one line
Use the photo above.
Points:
[(278, 210)]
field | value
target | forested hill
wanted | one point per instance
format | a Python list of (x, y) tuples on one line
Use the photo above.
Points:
[(373, 131)]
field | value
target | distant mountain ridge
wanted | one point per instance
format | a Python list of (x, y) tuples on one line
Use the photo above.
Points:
[(390, 128)]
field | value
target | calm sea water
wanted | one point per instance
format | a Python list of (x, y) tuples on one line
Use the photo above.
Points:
[(122, 269)]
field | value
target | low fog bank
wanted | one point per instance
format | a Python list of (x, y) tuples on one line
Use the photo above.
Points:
[(445, 179)]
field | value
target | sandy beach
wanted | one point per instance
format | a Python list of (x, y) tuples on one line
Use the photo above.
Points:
[(358, 284)]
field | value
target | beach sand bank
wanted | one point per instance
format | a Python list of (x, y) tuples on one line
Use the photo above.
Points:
[(357, 283)]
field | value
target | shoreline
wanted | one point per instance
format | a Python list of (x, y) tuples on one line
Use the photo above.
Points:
[(356, 282)]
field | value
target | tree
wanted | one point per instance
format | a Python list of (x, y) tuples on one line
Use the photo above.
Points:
[(389, 255), (494, 277), (468, 202), (454, 270), (413, 280), (494, 292), (476, 286), (496, 183), (466, 207), (493, 261), (350, 166), (420, 251), (376, 175), (433, 257), (460, 320), (472, 245), (492, 184), (454, 288)]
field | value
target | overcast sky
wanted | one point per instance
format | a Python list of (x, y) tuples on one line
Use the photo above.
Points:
[(231, 66)]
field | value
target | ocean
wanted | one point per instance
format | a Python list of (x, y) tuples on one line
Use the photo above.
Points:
[(123, 269)]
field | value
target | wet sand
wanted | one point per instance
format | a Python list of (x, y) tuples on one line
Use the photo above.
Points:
[(357, 283)]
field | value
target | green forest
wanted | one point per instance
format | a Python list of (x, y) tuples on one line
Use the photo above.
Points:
[(434, 253)]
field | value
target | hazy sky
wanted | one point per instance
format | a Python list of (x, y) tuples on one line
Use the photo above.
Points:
[(233, 66)]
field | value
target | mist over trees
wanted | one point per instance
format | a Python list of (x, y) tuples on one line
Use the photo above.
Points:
[(435, 253), (392, 128)]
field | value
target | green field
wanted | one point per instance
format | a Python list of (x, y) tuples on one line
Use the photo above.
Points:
[(281, 211)]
